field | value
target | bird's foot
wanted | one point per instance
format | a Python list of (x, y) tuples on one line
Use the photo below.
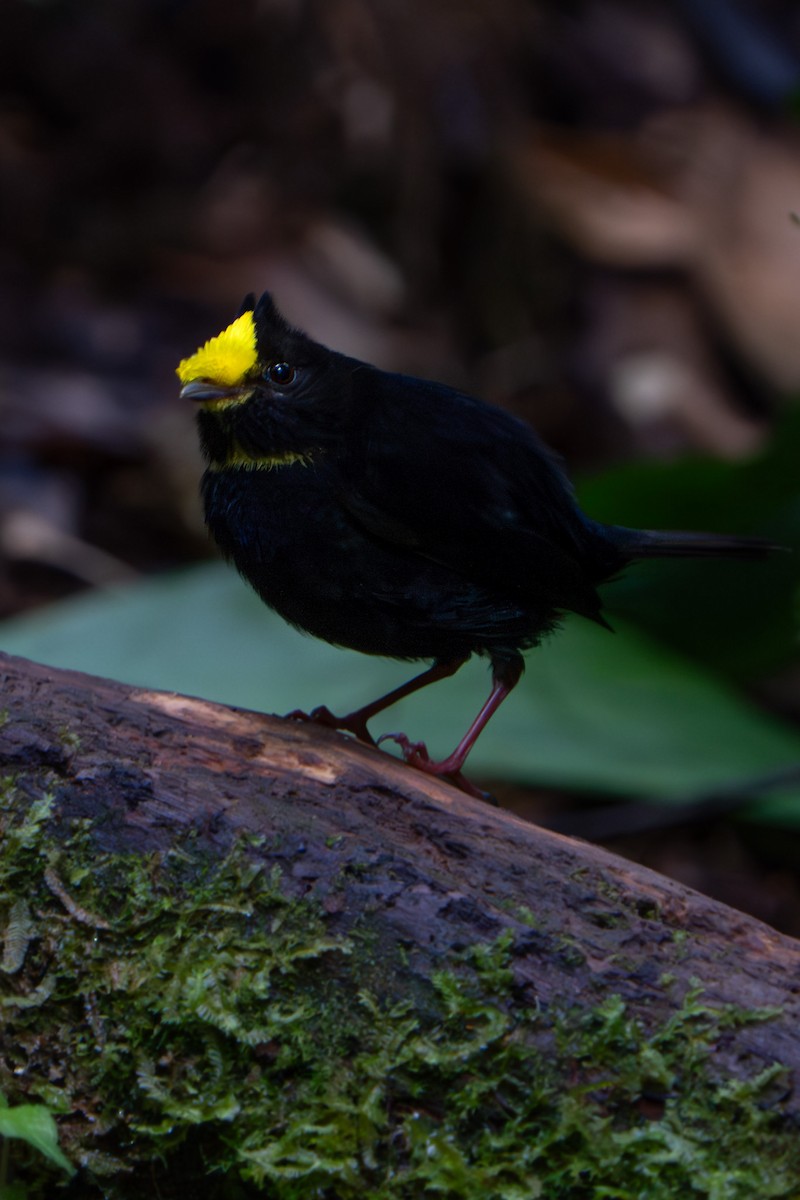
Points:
[(353, 723), (416, 755)]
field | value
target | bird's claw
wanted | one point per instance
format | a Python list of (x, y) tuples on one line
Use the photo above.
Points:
[(320, 716), (352, 723), (416, 754)]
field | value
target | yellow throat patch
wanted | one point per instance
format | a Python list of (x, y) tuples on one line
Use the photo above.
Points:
[(226, 359)]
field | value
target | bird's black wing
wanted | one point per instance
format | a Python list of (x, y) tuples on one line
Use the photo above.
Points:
[(468, 486)]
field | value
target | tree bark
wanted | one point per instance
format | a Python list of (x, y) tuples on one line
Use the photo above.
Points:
[(435, 869)]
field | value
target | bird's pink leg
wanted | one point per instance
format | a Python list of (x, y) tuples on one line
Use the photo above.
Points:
[(356, 722), (416, 753)]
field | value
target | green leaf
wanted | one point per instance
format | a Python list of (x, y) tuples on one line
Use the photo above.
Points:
[(614, 713), (738, 617), (34, 1124)]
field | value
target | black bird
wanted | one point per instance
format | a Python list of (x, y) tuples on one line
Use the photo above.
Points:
[(397, 516)]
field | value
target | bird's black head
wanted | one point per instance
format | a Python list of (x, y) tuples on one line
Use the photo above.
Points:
[(267, 395)]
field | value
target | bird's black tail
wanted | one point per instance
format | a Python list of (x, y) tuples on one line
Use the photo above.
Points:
[(668, 543)]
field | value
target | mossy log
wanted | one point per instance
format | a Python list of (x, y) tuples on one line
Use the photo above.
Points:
[(419, 872)]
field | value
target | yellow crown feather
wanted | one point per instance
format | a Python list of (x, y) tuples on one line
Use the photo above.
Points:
[(226, 359)]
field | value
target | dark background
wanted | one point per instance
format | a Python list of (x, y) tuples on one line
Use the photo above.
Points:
[(581, 211)]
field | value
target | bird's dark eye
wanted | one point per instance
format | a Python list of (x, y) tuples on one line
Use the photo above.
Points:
[(280, 373)]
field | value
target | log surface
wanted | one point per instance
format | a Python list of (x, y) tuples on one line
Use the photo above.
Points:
[(436, 870)]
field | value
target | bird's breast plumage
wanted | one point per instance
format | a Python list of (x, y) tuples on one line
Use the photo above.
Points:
[(308, 558)]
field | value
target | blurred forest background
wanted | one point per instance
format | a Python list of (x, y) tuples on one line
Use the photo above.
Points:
[(581, 211)]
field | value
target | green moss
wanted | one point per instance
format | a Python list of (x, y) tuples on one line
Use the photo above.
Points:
[(69, 739), (526, 916), (185, 1011)]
